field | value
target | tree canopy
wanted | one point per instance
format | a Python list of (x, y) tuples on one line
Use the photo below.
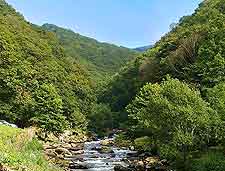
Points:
[(100, 59), (39, 82), (175, 112)]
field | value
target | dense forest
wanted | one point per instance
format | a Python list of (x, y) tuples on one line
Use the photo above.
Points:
[(102, 60), (49, 74), (40, 84), (168, 101)]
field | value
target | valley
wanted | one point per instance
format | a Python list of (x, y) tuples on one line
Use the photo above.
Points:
[(70, 102)]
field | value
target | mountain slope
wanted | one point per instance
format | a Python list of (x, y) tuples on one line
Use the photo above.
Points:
[(101, 59), (193, 52), (143, 48), (40, 84)]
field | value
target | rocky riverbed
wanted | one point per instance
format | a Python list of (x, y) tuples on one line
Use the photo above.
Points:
[(74, 151), (100, 155)]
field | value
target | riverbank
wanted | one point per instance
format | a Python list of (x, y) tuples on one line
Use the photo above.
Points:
[(61, 149), (84, 153), (20, 150)]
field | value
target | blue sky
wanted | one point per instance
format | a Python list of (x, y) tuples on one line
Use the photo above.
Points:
[(129, 23)]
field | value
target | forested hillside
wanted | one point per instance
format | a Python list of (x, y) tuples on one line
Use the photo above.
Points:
[(101, 59), (168, 102), (40, 84), (143, 48), (173, 94), (191, 52)]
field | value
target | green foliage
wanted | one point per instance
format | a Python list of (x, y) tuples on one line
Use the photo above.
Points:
[(122, 140), (192, 51), (101, 59), (216, 97), (169, 151), (38, 81), (18, 149), (176, 113), (173, 113), (121, 89), (211, 161), (101, 118), (48, 109), (144, 143), (78, 120)]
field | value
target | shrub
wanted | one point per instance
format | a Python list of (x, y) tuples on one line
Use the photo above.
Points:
[(144, 143), (212, 161)]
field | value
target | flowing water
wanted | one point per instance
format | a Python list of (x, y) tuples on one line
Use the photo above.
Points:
[(93, 160)]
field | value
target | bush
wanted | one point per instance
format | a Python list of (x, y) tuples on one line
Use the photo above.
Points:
[(143, 144), (212, 161), (101, 119), (179, 118), (123, 141)]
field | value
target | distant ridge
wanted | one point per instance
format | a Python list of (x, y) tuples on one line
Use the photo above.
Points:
[(100, 59), (143, 48)]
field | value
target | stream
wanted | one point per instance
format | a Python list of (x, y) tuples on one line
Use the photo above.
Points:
[(95, 160)]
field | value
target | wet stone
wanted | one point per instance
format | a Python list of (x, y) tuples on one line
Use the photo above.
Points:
[(101, 156)]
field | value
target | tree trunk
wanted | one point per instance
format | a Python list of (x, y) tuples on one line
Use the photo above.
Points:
[(185, 152)]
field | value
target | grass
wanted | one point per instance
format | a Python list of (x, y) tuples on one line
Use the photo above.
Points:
[(19, 150)]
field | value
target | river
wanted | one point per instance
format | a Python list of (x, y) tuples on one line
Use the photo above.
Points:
[(94, 160)]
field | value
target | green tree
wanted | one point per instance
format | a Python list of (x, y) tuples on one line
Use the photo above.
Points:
[(48, 109), (101, 118), (38, 80), (216, 97), (176, 113)]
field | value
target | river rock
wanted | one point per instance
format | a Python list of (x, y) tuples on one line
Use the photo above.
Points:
[(77, 152), (132, 154), (66, 145), (152, 160), (47, 146), (77, 146), (156, 167), (145, 155), (164, 162), (140, 166), (105, 149), (62, 151), (122, 168), (77, 166), (3, 168), (55, 146), (50, 153), (106, 142)]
